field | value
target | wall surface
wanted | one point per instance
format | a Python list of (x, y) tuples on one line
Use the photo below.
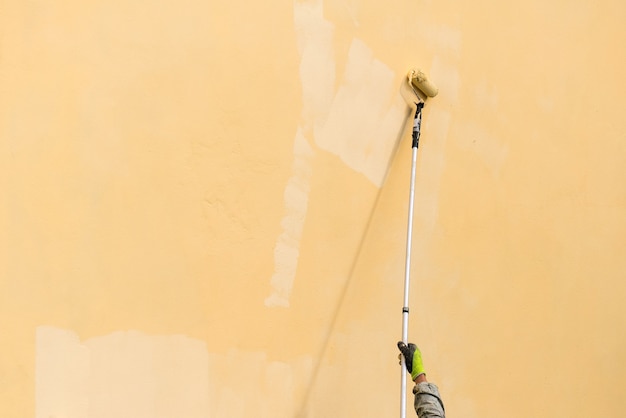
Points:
[(203, 207)]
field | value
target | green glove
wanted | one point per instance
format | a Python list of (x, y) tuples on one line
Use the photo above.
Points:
[(412, 359)]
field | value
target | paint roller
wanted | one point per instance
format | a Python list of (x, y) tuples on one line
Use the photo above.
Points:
[(419, 80), (422, 88)]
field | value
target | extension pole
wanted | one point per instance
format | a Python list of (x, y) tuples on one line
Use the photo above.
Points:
[(407, 267)]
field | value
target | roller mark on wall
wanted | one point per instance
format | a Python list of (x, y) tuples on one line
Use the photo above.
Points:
[(317, 76), (365, 117), (287, 249), (360, 124), (317, 62), (131, 374)]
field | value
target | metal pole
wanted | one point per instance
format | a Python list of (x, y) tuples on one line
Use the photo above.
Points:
[(407, 266)]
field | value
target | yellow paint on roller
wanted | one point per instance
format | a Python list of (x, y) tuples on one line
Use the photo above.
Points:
[(420, 80)]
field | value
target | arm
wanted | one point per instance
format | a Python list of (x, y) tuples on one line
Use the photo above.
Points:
[(428, 403)]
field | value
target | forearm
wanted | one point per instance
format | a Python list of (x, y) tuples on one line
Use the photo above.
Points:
[(421, 379), (428, 403)]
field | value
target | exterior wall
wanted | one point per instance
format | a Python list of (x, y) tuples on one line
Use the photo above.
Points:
[(204, 207)]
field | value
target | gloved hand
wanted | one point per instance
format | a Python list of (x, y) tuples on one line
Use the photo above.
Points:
[(412, 359)]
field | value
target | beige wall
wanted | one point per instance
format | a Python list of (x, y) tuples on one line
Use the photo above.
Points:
[(203, 213)]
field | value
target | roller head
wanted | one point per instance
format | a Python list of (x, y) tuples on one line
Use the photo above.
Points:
[(419, 80)]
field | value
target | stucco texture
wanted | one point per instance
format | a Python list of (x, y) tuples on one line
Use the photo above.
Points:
[(203, 207)]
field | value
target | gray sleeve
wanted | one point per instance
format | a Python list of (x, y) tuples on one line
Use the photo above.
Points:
[(428, 403)]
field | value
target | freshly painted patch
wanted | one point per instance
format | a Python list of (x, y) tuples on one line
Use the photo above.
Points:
[(287, 249), (366, 116), (360, 123), (317, 62), (317, 77)]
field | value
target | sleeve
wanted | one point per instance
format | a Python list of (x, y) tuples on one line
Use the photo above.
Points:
[(428, 403)]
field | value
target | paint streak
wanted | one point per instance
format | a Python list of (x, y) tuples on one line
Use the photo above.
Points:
[(365, 117), (317, 76), (287, 249), (365, 95), (317, 62)]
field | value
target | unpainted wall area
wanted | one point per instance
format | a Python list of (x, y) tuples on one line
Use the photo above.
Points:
[(204, 207)]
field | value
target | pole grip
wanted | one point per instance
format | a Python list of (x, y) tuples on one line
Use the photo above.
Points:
[(417, 124)]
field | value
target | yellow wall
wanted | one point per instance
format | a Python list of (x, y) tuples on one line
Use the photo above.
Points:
[(203, 213)]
